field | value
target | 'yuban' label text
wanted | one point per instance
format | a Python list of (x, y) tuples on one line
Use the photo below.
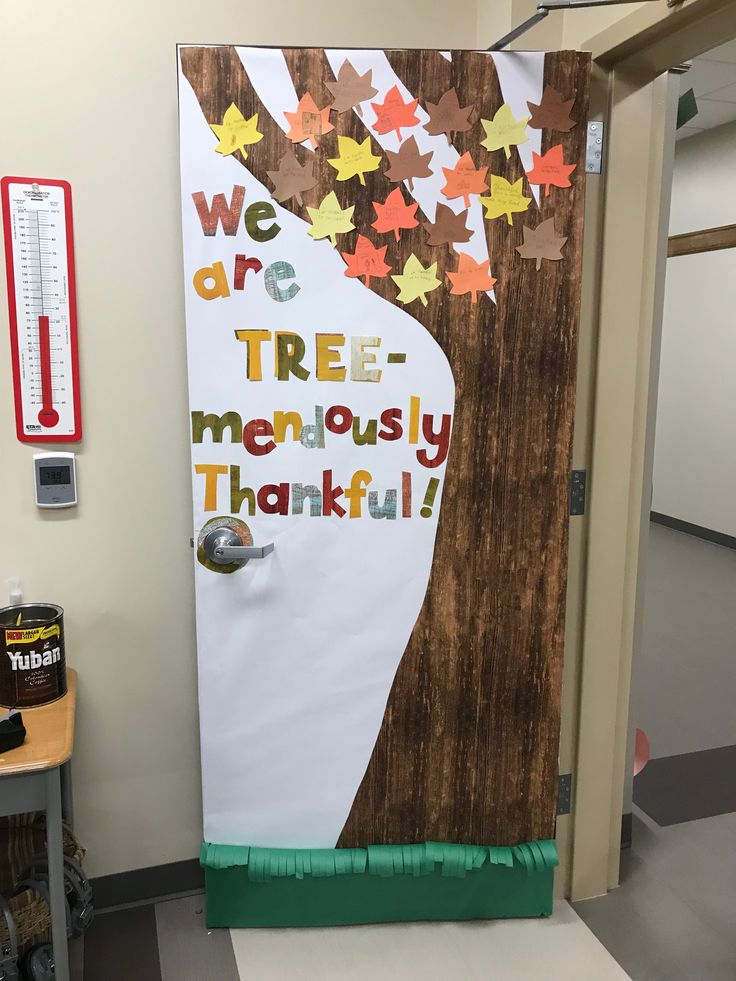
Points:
[(33, 660)]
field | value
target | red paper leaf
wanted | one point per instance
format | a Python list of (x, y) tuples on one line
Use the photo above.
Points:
[(366, 261), (393, 114), (394, 214), (550, 169)]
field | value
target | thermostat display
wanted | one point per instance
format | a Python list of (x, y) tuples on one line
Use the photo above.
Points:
[(56, 484)]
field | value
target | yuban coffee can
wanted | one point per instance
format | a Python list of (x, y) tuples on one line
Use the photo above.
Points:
[(32, 661)]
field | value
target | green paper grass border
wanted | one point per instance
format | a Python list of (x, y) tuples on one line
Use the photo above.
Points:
[(455, 861)]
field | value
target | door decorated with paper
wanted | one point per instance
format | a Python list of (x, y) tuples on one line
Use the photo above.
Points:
[(382, 279)]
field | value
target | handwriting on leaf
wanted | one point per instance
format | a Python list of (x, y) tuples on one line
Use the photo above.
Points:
[(367, 260), (394, 214), (292, 178), (407, 163), (447, 227), (447, 116), (308, 122), (553, 112), (505, 198), (350, 89), (236, 132), (464, 179), (354, 159), (393, 114), (550, 169), (541, 242), (504, 131), (471, 277), (416, 281), (330, 219)]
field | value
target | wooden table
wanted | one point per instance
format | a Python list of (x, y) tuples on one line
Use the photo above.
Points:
[(31, 780)]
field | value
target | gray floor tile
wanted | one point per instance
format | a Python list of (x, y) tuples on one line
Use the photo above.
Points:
[(122, 946), (188, 950), (674, 789)]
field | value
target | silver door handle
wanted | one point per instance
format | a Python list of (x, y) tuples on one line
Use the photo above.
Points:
[(224, 547)]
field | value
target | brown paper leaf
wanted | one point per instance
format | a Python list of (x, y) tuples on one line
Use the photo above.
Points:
[(447, 116), (553, 112), (408, 163), (447, 227), (292, 178), (350, 89), (541, 242)]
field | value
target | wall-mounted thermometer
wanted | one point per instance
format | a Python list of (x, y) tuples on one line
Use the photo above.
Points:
[(39, 258)]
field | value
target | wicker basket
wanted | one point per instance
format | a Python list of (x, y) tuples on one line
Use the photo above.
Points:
[(22, 837)]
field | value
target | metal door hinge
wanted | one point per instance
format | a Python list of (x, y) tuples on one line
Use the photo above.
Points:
[(594, 147), (564, 793), (577, 491)]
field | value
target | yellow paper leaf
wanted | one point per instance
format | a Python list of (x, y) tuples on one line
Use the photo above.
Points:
[(505, 198), (354, 159), (330, 218), (416, 281), (236, 132), (504, 131)]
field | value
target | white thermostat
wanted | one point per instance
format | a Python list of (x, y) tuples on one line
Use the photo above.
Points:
[(56, 480)]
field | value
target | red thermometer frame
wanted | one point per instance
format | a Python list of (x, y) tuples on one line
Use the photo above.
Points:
[(47, 410)]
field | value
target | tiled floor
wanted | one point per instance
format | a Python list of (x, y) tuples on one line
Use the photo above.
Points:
[(169, 942), (674, 916)]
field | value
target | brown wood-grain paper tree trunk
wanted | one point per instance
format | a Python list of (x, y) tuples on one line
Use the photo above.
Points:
[(468, 748)]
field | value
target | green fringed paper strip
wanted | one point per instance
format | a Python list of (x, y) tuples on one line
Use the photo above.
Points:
[(386, 861)]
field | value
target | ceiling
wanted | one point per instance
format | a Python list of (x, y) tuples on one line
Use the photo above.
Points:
[(713, 79)]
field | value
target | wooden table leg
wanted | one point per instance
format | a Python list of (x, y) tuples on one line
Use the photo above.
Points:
[(56, 874)]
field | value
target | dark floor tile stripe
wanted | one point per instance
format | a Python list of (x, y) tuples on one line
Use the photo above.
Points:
[(122, 946), (675, 789), (188, 950)]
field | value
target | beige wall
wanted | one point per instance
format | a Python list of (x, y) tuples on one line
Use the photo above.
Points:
[(98, 107)]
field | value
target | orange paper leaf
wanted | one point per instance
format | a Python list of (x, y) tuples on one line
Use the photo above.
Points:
[(393, 114), (308, 122), (471, 277), (366, 261), (394, 214), (464, 179), (550, 169)]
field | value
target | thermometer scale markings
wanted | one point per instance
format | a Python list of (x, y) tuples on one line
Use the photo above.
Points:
[(39, 253)]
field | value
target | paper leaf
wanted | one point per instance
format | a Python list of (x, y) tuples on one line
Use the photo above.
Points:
[(393, 114), (505, 198), (553, 112), (541, 242), (350, 89), (447, 227), (236, 132), (354, 159), (394, 214), (407, 163), (367, 260), (446, 116), (550, 169), (308, 122), (330, 219), (464, 179), (292, 178), (504, 131), (471, 277), (416, 281)]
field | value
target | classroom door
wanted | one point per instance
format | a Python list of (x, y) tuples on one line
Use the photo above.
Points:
[(382, 283)]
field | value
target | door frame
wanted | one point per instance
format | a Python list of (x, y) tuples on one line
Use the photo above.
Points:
[(623, 280)]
